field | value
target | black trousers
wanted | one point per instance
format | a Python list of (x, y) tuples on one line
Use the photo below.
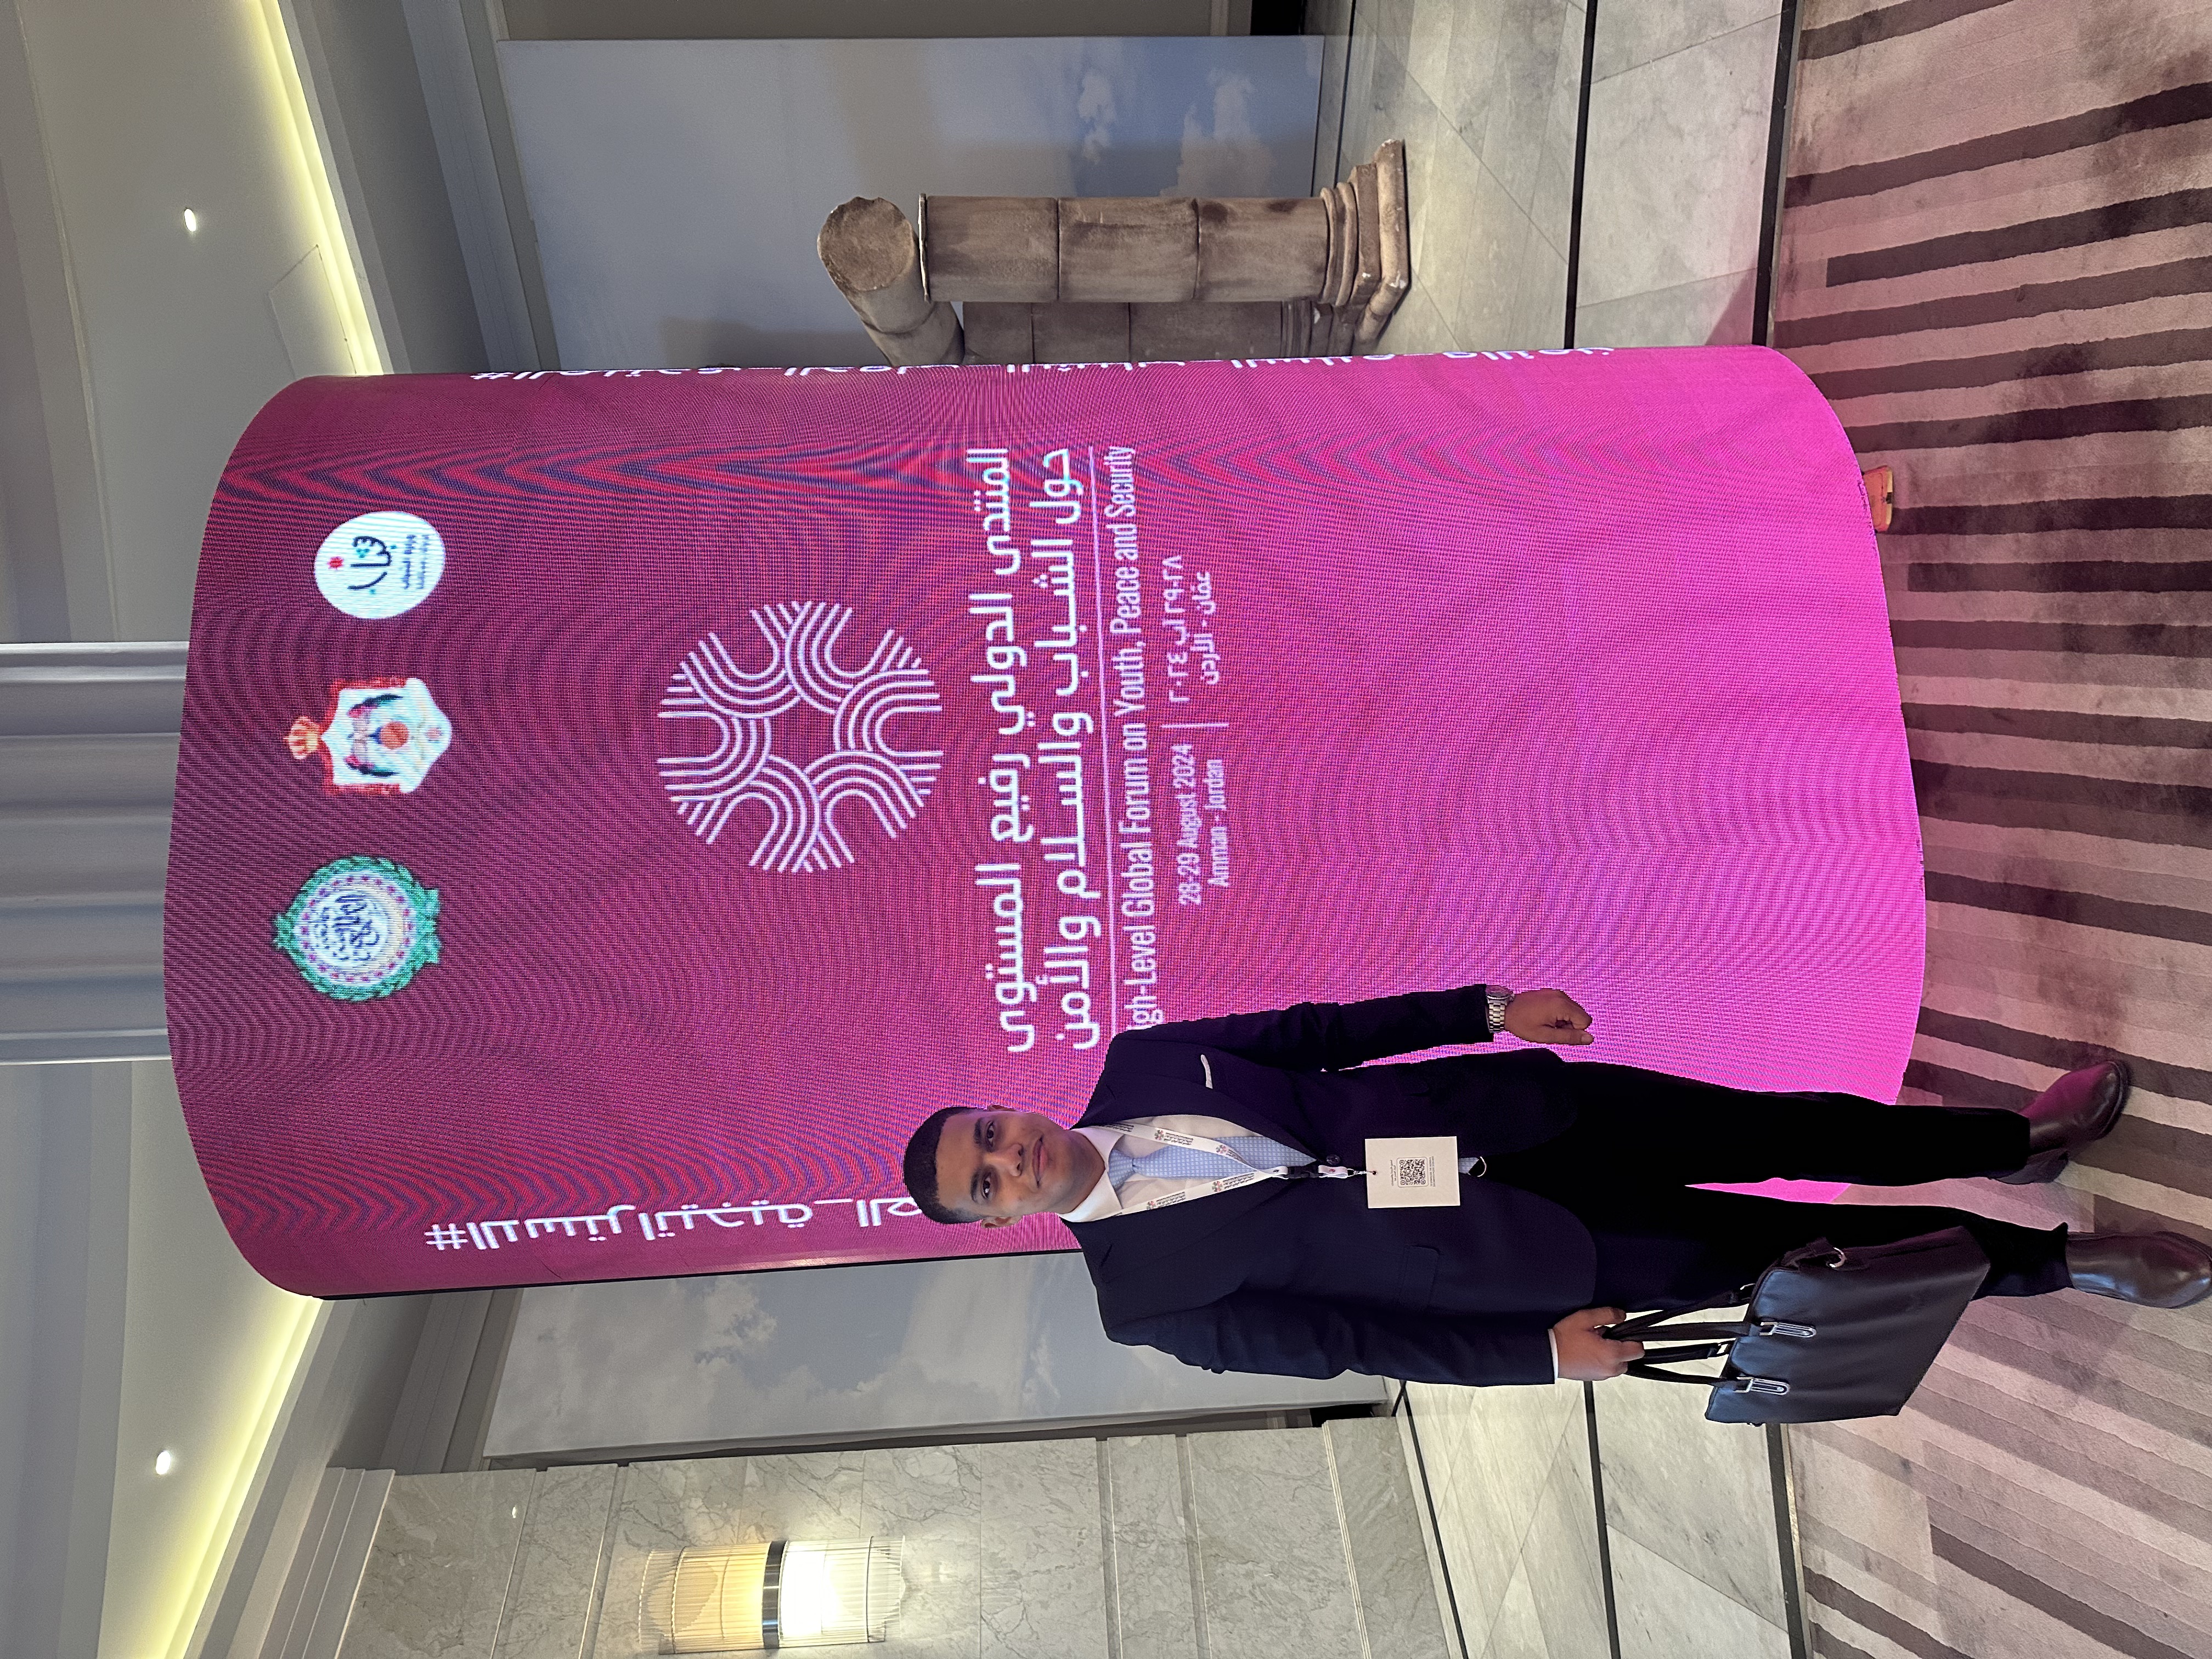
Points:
[(1639, 1136)]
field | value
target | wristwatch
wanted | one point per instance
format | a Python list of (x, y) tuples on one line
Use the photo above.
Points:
[(1499, 998)]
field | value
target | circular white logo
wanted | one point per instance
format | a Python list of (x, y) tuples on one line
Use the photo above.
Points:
[(754, 712), (379, 564)]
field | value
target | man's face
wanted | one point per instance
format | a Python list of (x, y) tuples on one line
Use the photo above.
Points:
[(1000, 1165)]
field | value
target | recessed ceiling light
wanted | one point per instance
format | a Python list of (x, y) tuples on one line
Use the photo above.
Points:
[(191, 222), (164, 1461)]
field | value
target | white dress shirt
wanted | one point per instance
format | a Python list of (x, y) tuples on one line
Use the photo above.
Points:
[(1102, 1201), (1138, 1188)]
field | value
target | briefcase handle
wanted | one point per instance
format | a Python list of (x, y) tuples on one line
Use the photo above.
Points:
[(1721, 1384), (1653, 1328), (1635, 1327), (1656, 1372)]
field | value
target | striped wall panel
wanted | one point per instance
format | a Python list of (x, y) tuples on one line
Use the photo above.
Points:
[(1995, 256)]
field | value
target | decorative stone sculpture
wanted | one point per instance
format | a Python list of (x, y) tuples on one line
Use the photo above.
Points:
[(1107, 279)]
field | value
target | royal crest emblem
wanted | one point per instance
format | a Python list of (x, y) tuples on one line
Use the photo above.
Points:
[(380, 736), (360, 928)]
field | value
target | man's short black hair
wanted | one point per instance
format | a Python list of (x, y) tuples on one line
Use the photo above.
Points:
[(920, 1168)]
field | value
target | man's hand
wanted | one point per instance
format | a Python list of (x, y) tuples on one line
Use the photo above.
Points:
[(1548, 1017), (1586, 1357)]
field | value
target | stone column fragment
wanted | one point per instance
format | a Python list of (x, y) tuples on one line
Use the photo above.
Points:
[(1394, 250), (998, 332), (1129, 249), (1333, 265), (1002, 248), (1195, 331), (1364, 212), (1080, 333), (870, 252), (1262, 249)]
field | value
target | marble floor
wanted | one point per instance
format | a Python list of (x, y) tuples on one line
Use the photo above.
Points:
[(1689, 1540), (1697, 1570), (1509, 1479), (1485, 93)]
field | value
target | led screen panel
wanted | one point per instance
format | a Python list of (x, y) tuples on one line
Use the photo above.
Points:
[(615, 807)]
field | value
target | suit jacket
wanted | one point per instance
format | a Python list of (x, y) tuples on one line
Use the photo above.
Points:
[(1300, 1278)]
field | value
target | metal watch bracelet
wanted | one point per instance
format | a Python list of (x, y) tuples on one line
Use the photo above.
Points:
[(1499, 999)]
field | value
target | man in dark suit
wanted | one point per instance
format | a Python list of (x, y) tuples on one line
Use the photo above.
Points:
[(1574, 1201)]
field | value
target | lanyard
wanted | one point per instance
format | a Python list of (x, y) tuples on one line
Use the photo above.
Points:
[(1226, 1183)]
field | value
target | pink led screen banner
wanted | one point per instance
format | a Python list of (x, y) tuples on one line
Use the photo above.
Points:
[(614, 808)]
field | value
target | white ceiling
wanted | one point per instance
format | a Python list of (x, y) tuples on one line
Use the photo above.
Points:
[(153, 345), (135, 350), (145, 108), (209, 1350)]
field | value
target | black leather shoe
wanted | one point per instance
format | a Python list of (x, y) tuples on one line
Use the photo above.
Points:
[(2079, 1108), (2152, 1270)]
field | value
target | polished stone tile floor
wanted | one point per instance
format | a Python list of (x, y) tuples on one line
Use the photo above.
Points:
[(1485, 94), (1509, 1479), (1694, 1561)]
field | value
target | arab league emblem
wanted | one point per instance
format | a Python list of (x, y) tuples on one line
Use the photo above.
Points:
[(380, 737), (360, 928)]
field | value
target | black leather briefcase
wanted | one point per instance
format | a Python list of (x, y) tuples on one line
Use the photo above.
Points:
[(1830, 1331)]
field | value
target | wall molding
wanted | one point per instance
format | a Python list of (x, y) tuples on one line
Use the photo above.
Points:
[(88, 774), (77, 561), (317, 1603), (456, 55)]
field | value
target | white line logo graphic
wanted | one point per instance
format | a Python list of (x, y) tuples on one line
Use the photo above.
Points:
[(743, 767)]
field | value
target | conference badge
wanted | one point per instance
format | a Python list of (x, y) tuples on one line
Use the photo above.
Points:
[(360, 928)]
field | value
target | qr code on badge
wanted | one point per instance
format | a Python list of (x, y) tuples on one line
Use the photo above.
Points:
[(1412, 1172)]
